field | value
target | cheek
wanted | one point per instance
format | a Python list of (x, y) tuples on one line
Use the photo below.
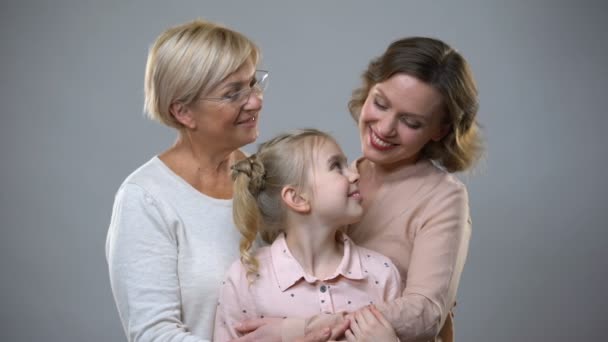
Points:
[(228, 117), (367, 113), (412, 138)]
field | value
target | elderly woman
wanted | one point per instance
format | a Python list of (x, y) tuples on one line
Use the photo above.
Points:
[(416, 113), (171, 236)]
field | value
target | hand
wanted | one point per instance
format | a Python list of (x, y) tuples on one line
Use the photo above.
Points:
[(320, 335), (369, 325), (269, 329), (324, 334), (339, 330), (261, 329)]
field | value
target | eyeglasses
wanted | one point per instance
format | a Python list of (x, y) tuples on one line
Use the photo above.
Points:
[(258, 84)]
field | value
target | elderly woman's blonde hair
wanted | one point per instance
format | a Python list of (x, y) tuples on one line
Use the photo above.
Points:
[(188, 61)]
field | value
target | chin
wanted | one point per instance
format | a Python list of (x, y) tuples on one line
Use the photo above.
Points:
[(251, 137), (355, 217), (370, 154)]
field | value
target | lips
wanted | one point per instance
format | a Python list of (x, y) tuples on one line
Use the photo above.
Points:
[(249, 120), (378, 143), (355, 194)]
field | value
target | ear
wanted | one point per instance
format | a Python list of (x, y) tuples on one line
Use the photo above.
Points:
[(294, 200), (183, 114), (443, 130)]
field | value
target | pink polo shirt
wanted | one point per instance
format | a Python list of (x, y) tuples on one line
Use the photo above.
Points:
[(282, 288)]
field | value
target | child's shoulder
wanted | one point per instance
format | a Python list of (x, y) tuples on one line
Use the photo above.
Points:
[(238, 270)]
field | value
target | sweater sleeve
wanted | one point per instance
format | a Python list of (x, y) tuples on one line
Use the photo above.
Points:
[(141, 250), (436, 263)]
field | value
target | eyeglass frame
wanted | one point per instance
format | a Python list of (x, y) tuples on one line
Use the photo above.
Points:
[(245, 93)]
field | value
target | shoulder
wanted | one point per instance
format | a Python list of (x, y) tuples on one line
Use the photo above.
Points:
[(148, 176), (143, 178), (261, 254), (442, 185), (442, 178), (445, 206), (236, 272), (145, 194), (155, 183), (237, 280)]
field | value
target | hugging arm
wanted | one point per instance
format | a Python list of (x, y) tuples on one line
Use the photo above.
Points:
[(436, 263)]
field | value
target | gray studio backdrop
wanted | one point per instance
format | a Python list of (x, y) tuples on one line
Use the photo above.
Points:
[(72, 129)]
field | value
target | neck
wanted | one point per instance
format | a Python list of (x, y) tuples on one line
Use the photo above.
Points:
[(374, 173), (315, 248), (205, 166), (208, 158), (389, 169)]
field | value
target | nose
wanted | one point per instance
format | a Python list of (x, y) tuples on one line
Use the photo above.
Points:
[(352, 175), (254, 100), (386, 125)]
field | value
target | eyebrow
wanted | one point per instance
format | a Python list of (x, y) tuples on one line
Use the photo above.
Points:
[(419, 116)]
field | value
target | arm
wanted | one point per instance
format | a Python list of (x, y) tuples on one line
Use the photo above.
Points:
[(270, 329), (141, 250), (436, 263)]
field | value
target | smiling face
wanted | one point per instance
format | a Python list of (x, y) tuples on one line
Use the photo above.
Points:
[(399, 117), (335, 193), (231, 125)]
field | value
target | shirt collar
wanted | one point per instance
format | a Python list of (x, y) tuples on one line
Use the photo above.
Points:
[(289, 271)]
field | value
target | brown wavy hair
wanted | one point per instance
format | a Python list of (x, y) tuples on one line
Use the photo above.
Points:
[(437, 64)]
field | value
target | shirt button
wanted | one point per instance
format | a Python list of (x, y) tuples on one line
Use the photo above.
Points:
[(323, 288)]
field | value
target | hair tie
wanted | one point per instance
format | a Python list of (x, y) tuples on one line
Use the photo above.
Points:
[(254, 169)]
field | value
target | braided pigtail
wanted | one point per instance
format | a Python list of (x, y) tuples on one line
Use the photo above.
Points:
[(248, 177)]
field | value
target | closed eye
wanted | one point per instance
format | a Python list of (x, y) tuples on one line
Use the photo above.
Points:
[(411, 123), (380, 105)]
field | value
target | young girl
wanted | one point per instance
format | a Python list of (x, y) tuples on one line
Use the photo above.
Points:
[(297, 192)]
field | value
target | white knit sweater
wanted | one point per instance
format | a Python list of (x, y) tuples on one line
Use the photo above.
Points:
[(168, 247)]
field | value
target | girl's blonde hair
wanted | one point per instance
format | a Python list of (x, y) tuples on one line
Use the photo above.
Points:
[(188, 61), (258, 181)]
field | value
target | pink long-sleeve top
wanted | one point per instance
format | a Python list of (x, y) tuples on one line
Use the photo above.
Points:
[(420, 219), (281, 288)]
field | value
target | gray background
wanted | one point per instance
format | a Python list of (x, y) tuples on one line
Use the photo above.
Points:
[(72, 129)]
